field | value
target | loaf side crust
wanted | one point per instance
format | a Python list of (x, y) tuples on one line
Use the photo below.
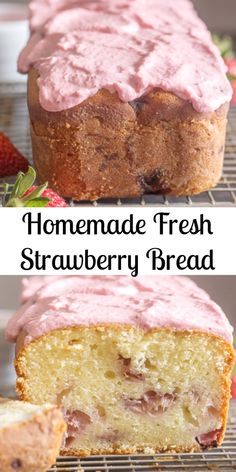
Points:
[(107, 148)]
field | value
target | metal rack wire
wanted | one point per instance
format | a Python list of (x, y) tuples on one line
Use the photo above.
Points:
[(217, 460), (14, 122)]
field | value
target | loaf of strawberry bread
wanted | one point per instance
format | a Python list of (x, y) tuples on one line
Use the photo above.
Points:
[(125, 98), (138, 365)]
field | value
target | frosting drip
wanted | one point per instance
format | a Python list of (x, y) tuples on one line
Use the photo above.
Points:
[(148, 302), (128, 47)]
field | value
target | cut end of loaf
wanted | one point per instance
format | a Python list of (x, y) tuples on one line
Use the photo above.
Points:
[(124, 390), (30, 436)]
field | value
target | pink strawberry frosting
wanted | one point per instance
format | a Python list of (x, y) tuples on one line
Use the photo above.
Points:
[(128, 47), (147, 302)]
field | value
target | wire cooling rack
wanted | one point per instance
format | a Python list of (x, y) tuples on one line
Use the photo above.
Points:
[(217, 460), (14, 122)]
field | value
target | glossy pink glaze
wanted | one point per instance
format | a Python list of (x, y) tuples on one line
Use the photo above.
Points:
[(130, 47), (148, 302)]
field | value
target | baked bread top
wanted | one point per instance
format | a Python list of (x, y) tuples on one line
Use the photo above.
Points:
[(130, 47), (148, 302)]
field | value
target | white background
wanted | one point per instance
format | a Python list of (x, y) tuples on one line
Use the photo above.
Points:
[(219, 15), (14, 238)]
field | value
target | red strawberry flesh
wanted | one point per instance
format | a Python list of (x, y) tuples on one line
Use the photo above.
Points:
[(11, 160)]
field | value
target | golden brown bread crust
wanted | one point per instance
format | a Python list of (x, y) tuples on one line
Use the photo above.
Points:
[(106, 148), (33, 445), (225, 380)]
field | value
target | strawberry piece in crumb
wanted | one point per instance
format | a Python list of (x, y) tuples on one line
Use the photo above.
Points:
[(210, 439)]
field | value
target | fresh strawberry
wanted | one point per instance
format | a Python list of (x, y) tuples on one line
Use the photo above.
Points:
[(231, 63), (225, 45), (233, 387), (11, 160), (26, 194)]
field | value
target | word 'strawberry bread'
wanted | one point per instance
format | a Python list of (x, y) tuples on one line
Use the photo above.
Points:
[(30, 436), (125, 98), (138, 365)]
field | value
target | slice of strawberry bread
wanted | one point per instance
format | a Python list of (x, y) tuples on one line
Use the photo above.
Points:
[(30, 436), (138, 365)]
